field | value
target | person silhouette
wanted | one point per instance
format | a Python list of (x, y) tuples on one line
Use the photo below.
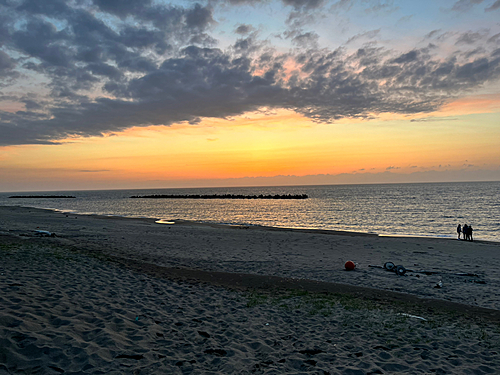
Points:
[(464, 231), (459, 230), (470, 233)]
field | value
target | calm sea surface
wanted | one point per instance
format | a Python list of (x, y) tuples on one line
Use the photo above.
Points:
[(432, 209)]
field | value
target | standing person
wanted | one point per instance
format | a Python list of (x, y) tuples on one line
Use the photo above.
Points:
[(459, 230), (470, 233), (464, 231)]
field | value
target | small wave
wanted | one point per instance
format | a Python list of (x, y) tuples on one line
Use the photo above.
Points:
[(163, 221)]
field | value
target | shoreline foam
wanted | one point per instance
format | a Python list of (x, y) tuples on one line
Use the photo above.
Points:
[(451, 234)]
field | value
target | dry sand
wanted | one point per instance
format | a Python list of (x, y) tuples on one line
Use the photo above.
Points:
[(112, 295)]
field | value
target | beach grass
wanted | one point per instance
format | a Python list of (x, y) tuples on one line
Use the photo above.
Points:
[(387, 320), (315, 303)]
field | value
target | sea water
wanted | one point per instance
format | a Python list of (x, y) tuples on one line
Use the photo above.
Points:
[(427, 209)]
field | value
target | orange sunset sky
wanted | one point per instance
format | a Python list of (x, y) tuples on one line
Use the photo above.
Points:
[(98, 96)]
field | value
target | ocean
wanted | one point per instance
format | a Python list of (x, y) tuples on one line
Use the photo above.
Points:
[(426, 209)]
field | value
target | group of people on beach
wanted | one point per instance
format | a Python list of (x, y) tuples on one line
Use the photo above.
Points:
[(466, 230)]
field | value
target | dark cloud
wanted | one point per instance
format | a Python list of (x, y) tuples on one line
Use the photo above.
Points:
[(471, 37), (404, 20), (32, 104), (465, 5), (433, 119), (371, 34), (78, 55), (475, 52), (8, 74), (369, 6), (53, 8), (40, 39), (367, 56), (304, 12), (244, 29), (94, 170), (335, 89), (341, 5), (246, 2), (300, 38), (304, 4), (207, 82), (494, 6), (439, 35), (406, 57), (378, 6), (199, 17), (122, 8), (247, 45), (306, 40), (6, 63), (432, 33), (202, 82), (494, 39), (157, 65)]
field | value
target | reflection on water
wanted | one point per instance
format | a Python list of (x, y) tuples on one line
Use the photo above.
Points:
[(161, 221), (403, 209)]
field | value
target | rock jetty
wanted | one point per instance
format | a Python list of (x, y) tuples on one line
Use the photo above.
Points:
[(222, 196), (42, 196)]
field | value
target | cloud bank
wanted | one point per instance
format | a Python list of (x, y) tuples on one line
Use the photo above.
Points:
[(86, 68)]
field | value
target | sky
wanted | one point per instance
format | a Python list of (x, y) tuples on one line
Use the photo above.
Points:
[(110, 94)]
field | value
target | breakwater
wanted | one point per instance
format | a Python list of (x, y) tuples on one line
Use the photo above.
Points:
[(42, 196), (222, 196)]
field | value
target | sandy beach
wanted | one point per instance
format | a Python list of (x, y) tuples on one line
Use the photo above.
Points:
[(114, 295)]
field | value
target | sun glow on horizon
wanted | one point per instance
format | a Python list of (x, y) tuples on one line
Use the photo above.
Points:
[(263, 144)]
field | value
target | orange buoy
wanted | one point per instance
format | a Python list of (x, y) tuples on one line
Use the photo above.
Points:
[(349, 265)]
